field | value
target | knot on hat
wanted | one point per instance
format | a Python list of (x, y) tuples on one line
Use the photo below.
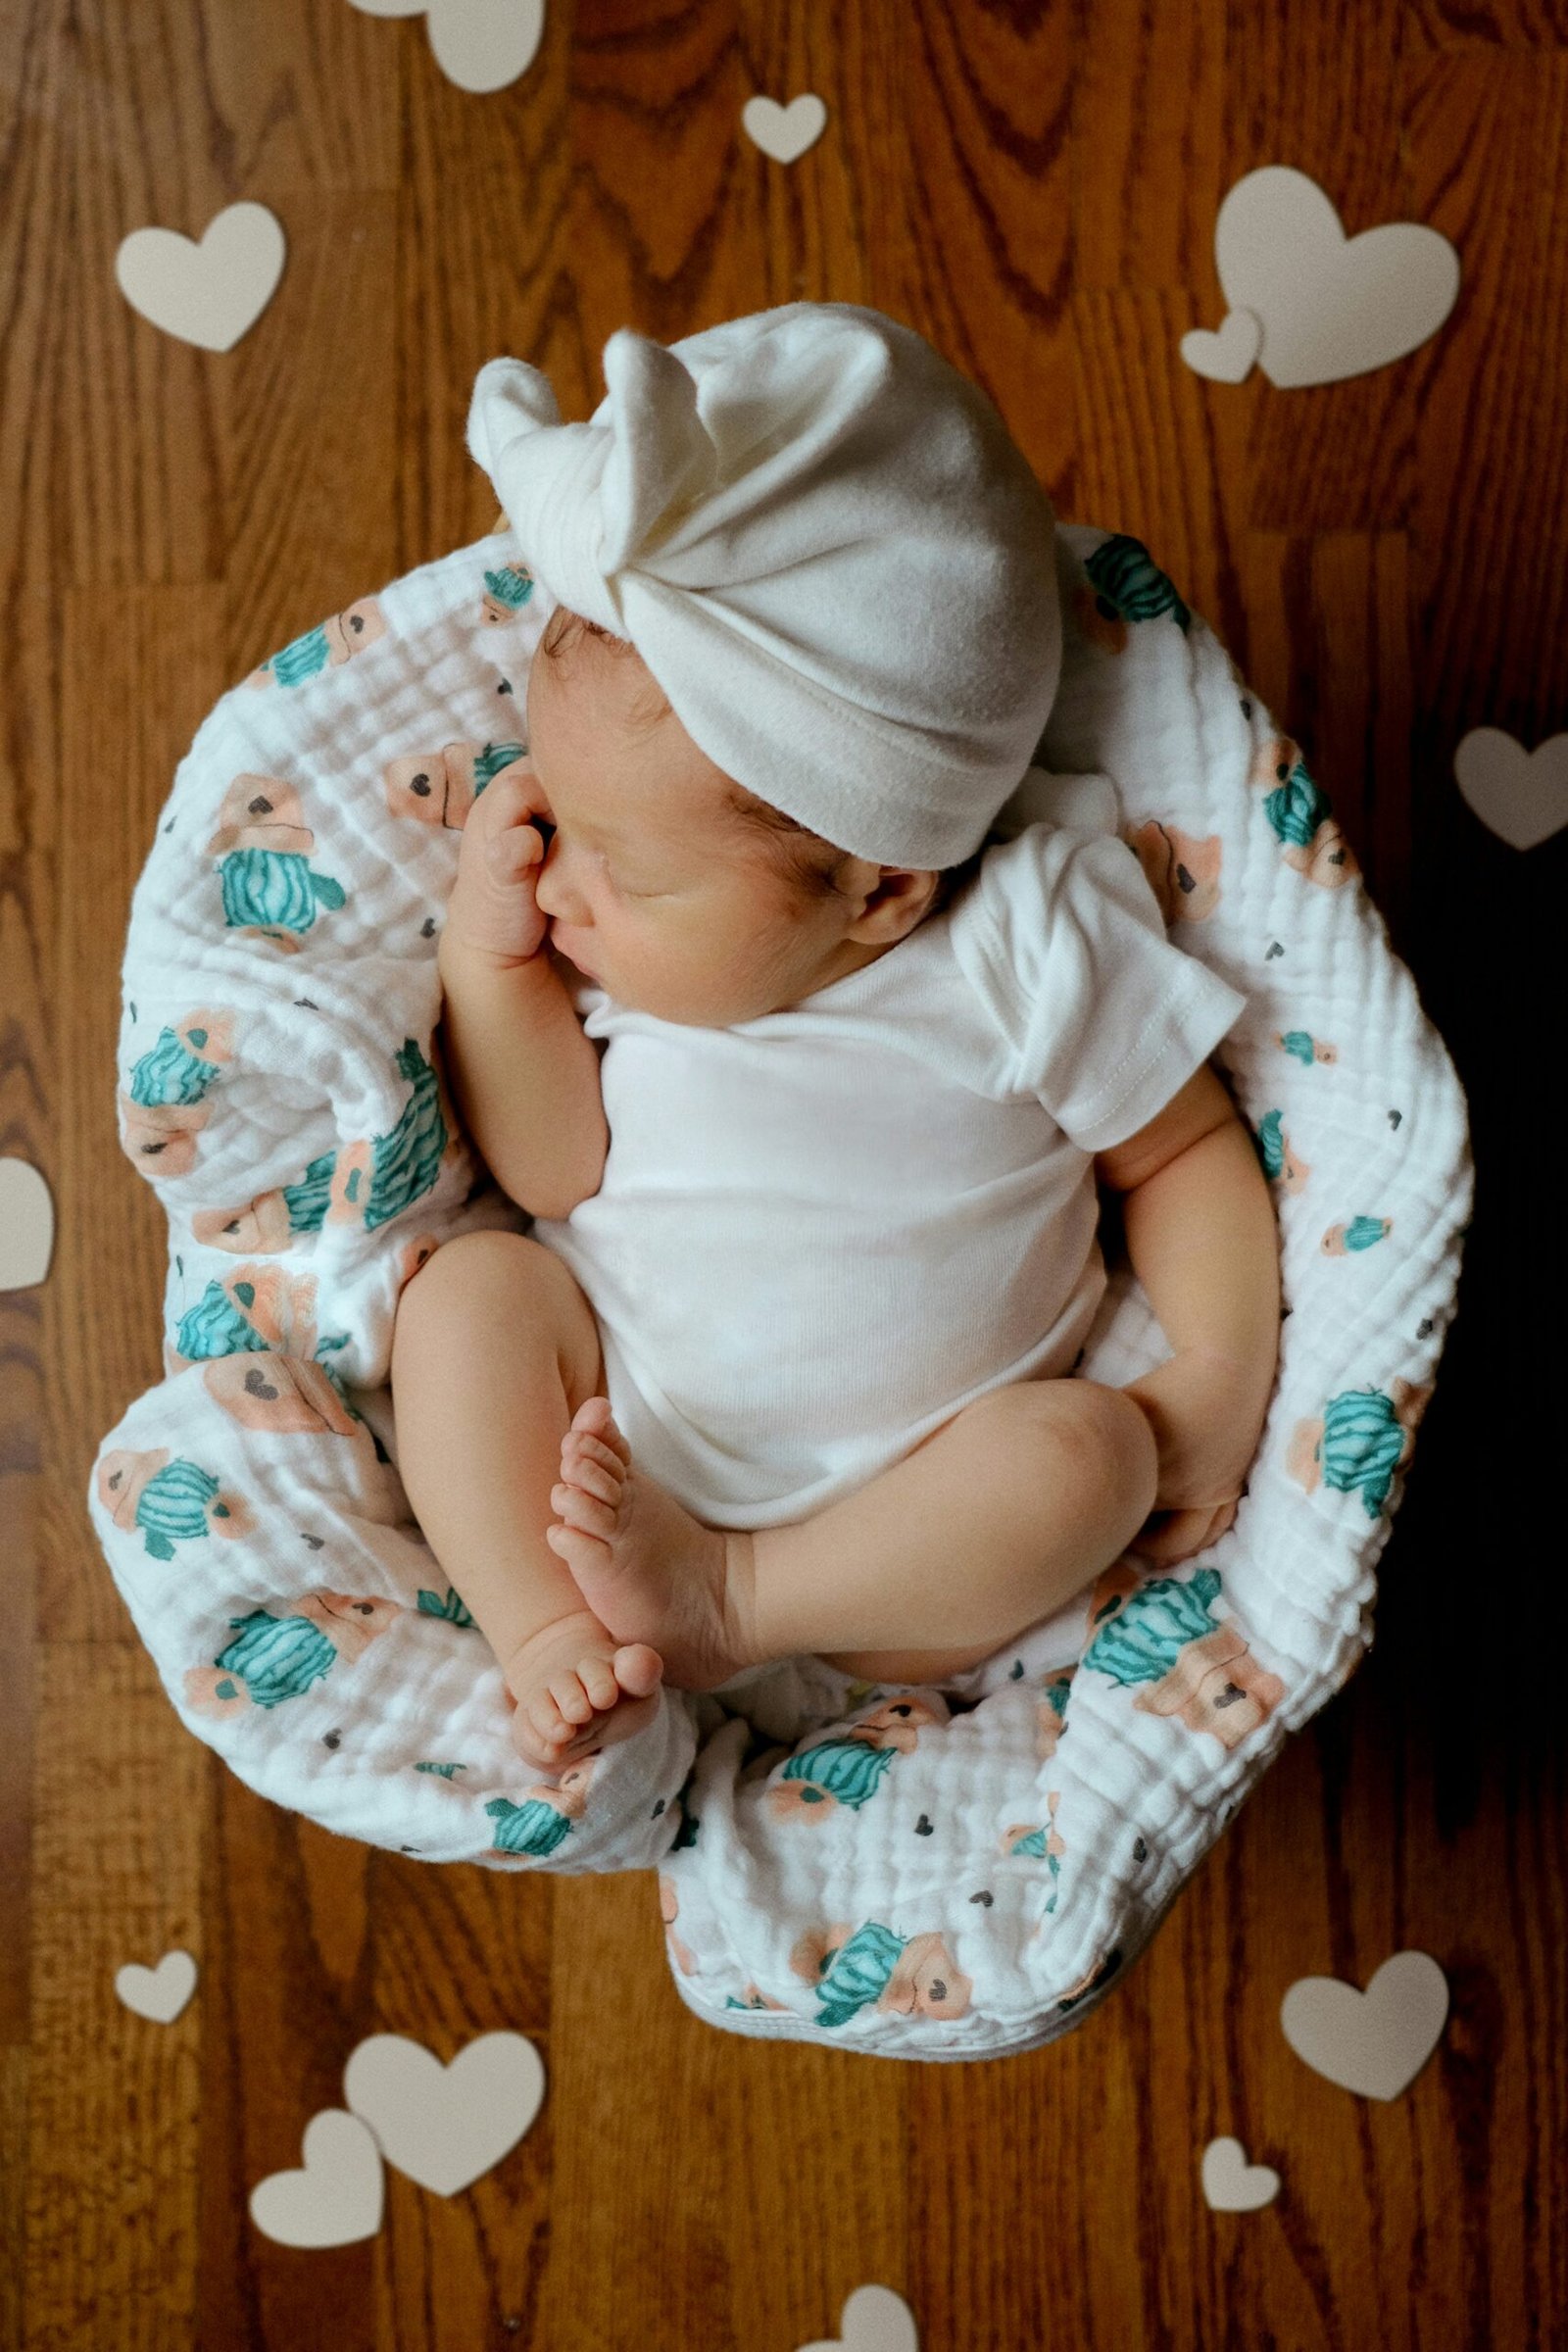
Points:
[(584, 499)]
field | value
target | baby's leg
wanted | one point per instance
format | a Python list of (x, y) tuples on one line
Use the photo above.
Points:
[(494, 1350), (989, 1524)]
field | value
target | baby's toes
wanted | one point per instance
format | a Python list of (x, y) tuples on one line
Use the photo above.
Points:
[(584, 1512), (596, 1420), (598, 1677), (592, 1477), (546, 1721), (638, 1669), (571, 1698)]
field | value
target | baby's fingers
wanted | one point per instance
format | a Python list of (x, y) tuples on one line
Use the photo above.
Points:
[(509, 854)]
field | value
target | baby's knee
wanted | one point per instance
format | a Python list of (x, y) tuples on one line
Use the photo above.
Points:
[(473, 1276), (1095, 1437)]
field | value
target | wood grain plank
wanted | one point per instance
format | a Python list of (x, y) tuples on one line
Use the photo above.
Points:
[(136, 692), (1329, 457), (113, 2098), (1035, 190)]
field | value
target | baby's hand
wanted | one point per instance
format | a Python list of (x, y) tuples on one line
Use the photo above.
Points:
[(1207, 1416), (493, 907)]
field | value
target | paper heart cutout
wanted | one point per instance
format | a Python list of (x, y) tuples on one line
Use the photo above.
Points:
[(443, 2126), (482, 45), (336, 2199), (1233, 2186), (873, 2320), (1225, 357), (1330, 306), (26, 1225), (209, 293), (784, 131), (158, 1994), (1373, 2042), (1520, 796)]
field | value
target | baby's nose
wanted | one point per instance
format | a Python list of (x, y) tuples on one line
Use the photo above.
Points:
[(552, 893)]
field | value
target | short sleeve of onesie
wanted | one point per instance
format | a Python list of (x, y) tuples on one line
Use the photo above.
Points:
[(1101, 1017)]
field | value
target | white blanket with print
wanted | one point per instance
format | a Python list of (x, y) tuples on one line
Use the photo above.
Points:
[(914, 1874)]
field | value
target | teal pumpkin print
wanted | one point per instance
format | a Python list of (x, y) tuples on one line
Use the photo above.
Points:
[(534, 1827), (306, 1203), (545, 1817), (376, 1181), (1142, 1638), (840, 1772), (506, 590), (272, 1659), (1051, 1713), (256, 1310), (167, 1499), (444, 1604), (327, 647), (1039, 1842), (273, 1222), (1129, 584), (873, 1968), (1355, 1235), (1306, 1049), (271, 891), (264, 845), (847, 1769), (1159, 1638), (1360, 1440), (1299, 816), (1296, 807), (859, 1971), (215, 1326), (182, 1064), (491, 759), (1281, 1165)]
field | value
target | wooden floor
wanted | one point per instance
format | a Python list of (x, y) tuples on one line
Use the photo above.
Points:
[(1034, 188)]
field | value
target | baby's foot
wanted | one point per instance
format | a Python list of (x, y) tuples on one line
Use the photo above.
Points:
[(649, 1571), (577, 1688)]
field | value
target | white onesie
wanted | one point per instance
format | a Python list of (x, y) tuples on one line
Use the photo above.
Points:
[(822, 1232)]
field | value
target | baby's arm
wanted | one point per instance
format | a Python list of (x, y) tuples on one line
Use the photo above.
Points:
[(523, 1071), (1203, 1242)]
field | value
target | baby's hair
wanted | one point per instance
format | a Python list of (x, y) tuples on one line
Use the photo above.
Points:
[(811, 864)]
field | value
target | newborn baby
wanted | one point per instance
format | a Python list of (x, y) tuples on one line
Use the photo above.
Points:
[(784, 1365)]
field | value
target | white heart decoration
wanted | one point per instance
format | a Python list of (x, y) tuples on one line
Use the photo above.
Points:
[(1233, 2186), (443, 2126), (207, 294), (336, 2199), (158, 1994), (1520, 796), (26, 1225), (1225, 357), (1373, 2042), (784, 131), (873, 2320), (482, 45), (1330, 306)]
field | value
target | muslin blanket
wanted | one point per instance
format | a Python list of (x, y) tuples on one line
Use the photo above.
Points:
[(933, 1873)]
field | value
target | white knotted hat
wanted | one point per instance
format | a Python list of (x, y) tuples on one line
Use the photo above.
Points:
[(826, 547)]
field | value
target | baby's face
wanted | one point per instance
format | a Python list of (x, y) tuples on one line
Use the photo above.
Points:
[(656, 887)]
